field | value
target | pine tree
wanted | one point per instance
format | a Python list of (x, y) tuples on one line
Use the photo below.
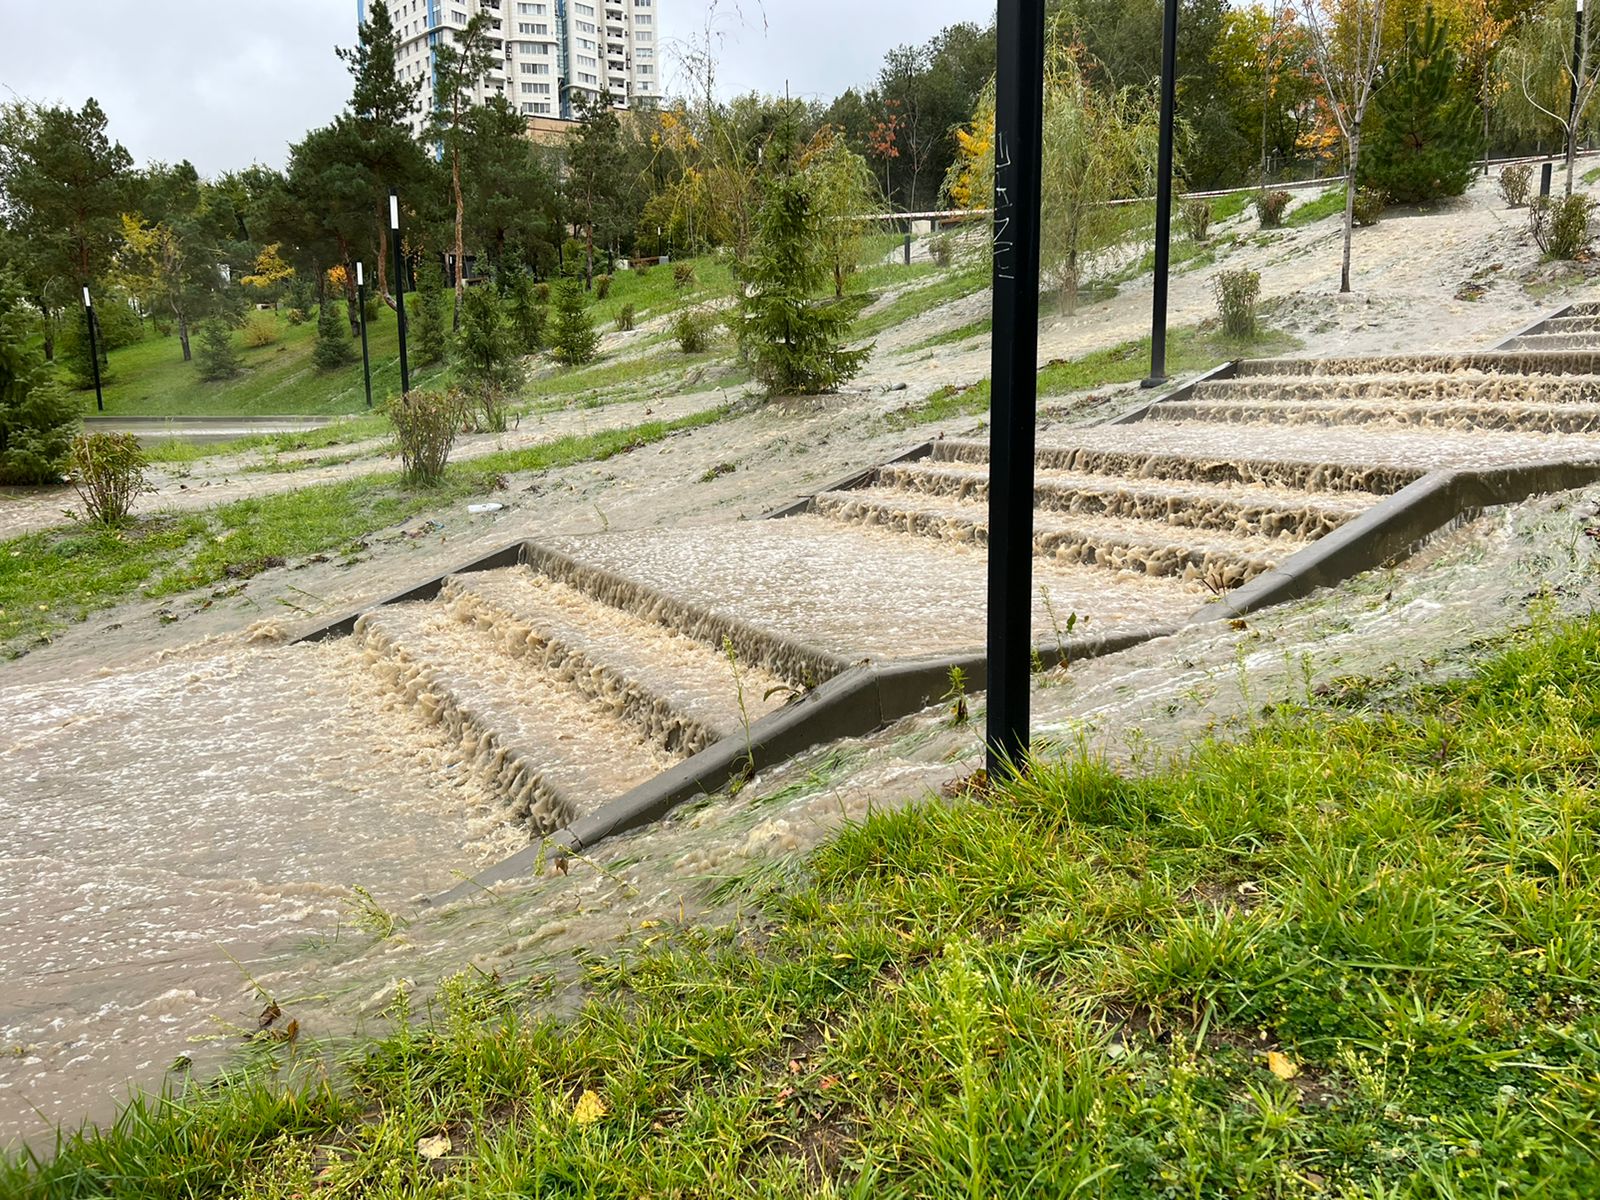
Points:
[(573, 339), (486, 354), (380, 96), (1426, 134), (217, 356), (427, 314), (37, 419), (333, 349), (795, 343), (523, 310)]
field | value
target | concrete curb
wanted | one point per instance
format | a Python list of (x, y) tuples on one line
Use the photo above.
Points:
[(1227, 370), (855, 479), (1534, 328)]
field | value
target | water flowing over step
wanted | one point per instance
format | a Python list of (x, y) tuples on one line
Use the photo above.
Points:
[(1570, 341), (1217, 560), (1574, 324), (1231, 508), (548, 751), (1522, 417), (1499, 362), (1462, 387)]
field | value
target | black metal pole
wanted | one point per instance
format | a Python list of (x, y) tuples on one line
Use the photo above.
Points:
[(1014, 364), (94, 351), (1158, 291), (908, 249), (399, 287), (1544, 178), (361, 299), (1577, 67)]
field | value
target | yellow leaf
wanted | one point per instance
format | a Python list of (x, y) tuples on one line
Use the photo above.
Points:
[(589, 1109), (1281, 1065), (434, 1147)]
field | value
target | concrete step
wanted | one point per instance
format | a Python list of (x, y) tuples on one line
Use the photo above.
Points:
[(1573, 324), (1472, 386), (1219, 561), (1525, 418), (549, 752), (1568, 341), (1230, 508), (1527, 361), (682, 694)]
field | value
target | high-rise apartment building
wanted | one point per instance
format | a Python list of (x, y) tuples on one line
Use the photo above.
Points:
[(549, 53)]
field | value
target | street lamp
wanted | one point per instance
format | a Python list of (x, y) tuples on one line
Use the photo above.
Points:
[(399, 287), (1013, 368), (94, 350), (1169, 97), (361, 301), (1577, 69)]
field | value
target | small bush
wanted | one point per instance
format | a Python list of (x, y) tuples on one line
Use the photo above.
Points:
[(488, 357), (1196, 217), (682, 275), (1369, 205), (108, 475), (541, 293), (333, 349), (573, 338), (260, 330), (1560, 226), (216, 355), (625, 318), (430, 335), (1237, 292), (296, 316), (1516, 182), (693, 328), (38, 420), (602, 286), (1270, 207), (943, 250), (641, 269), (425, 425)]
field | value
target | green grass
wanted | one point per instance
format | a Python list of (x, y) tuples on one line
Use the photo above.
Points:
[(971, 329), (1330, 203), (150, 378), (56, 577), (1189, 350), (1356, 954), (947, 284)]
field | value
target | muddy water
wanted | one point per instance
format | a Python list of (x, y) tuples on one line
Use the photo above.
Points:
[(172, 830)]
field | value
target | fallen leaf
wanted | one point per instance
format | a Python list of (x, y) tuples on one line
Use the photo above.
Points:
[(827, 1082), (434, 1147), (589, 1109), (1281, 1065)]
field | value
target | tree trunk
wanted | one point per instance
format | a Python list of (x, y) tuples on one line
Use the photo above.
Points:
[(383, 263), (183, 336), (588, 230), (461, 237), (47, 327), (1350, 205)]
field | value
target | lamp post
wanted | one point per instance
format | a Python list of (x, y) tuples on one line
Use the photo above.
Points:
[(399, 287), (1014, 364), (94, 350), (1169, 96), (1577, 71), (361, 301)]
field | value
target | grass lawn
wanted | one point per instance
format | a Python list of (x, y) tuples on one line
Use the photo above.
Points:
[(150, 378), (55, 577), (1355, 955), (1329, 203), (1189, 350)]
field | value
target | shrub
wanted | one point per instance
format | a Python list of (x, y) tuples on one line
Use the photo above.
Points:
[(524, 311), (1237, 292), (943, 250), (425, 425), (682, 275), (602, 286), (216, 355), (260, 330), (297, 316), (1270, 206), (108, 475), (693, 328), (573, 339), (333, 349), (1196, 216), (541, 293), (72, 349), (1516, 181), (488, 356), (641, 269), (37, 417), (1560, 226), (1369, 205), (427, 332), (625, 318)]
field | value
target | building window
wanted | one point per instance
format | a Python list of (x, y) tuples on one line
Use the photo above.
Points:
[(643, 19), (541, 108), (540, 89)]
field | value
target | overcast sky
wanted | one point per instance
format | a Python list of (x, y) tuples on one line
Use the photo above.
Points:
[(225, 83)]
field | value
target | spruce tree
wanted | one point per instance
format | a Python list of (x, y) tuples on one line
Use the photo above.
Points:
[(37, 419), (216, 354), (427, 314), (487, 355), (524, 311), (573, 339), (795, 342), (333, 349), (1426, 131)]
